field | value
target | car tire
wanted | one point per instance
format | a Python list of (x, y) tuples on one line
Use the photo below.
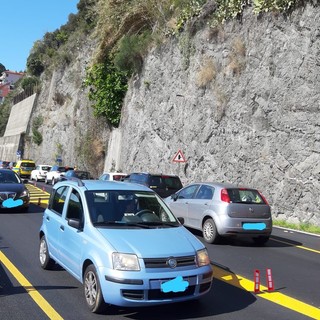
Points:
[(92, 290), (209, 230), (46, 180), (53, 182), (260, 241), (45, 261)]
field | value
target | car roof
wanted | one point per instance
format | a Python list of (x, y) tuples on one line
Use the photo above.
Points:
[(219, 184), (155, 174), (104, 185)]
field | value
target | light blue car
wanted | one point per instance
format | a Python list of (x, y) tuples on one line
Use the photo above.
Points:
[(123, 243)]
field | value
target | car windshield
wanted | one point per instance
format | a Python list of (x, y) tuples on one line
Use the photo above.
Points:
[(8, 177), (128, 208)]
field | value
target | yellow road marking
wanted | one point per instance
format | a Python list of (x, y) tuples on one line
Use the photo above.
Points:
[(37, 193), (301, 247), (35, 295), (273, 296)]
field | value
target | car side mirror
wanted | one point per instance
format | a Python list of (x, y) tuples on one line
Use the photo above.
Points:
[(174, 197), (75, 223), (181, 220)]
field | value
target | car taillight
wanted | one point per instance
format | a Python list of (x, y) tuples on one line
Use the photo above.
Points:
[(224, 196), (263, 197)]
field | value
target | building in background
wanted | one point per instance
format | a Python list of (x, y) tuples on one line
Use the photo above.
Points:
[(7, 81)]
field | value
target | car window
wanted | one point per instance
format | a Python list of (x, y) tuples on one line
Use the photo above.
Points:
[(82, 175), (188, 192), (127, 207), (172, 182), (245, 196), (58, 199), (155, 181), (118, 177), (205, 192), (46, 168), (8, 177), (28, 164), (75, 208)]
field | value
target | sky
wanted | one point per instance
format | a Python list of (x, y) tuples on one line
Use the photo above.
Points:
[(24, 22)]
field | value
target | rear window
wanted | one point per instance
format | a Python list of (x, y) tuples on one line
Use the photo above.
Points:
[(172, 182), (28, 164), (46, 168), (118, 177), (245, 196)]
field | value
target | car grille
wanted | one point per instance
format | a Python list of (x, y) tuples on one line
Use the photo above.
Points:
[(7, 195), (163, 262)]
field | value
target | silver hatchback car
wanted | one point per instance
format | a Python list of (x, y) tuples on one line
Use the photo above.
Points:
[(221, 209)]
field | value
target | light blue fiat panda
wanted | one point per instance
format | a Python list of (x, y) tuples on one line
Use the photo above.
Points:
[(123, 243)]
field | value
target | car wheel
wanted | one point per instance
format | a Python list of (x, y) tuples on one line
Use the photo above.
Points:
[(260, 240), (46, 180), (45, 261), (209, 230), (36, 179), (92, 290), (52, 181)]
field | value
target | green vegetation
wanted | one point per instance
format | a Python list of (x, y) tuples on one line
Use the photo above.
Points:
[(307, 227), (36, 135), (107, 90)]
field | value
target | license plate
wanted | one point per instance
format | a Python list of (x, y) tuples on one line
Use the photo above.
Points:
[(254, 226), (175, 285)]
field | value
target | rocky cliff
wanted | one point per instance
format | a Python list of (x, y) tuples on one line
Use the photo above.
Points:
[(241, 102)]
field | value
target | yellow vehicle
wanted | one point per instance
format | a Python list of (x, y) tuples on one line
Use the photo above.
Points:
[(24, 167)]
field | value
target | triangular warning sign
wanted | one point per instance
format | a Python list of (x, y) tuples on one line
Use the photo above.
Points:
[(179, 157)]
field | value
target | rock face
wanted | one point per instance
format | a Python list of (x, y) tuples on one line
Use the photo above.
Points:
[(242, 102)]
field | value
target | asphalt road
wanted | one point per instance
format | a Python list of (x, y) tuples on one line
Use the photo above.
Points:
[(28, 292)]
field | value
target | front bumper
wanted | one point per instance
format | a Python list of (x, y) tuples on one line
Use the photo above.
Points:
[(145, 289)]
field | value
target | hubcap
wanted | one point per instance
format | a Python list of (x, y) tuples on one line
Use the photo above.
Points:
[(91, 288), (43, 252), (208, 230)]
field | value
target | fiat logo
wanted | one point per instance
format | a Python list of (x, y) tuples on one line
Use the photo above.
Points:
[(172, 263)]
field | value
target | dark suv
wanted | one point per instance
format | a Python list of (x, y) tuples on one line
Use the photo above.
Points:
[(163, 184)]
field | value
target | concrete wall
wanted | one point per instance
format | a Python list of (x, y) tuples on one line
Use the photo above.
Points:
[(17, 125)]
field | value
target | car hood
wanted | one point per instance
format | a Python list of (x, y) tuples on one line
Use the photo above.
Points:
[(175, 241), (11, 187)]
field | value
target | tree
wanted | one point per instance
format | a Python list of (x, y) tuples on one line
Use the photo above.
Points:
[(2, 68)]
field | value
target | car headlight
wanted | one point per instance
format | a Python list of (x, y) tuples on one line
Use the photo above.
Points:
[(124, 261), (25, 193), (203, 258)]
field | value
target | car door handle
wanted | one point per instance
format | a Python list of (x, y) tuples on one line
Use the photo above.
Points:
[(47, 218), (62, 228)]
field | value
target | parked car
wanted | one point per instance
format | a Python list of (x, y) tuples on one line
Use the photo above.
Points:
[(112, 176), (24, 167), (13, 191), (163, 184), (221, 209), (70, 174), (40, 172), (55, 173), (123, 244)]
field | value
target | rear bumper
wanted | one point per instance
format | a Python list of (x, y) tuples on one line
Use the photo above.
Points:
[(244, 227)]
